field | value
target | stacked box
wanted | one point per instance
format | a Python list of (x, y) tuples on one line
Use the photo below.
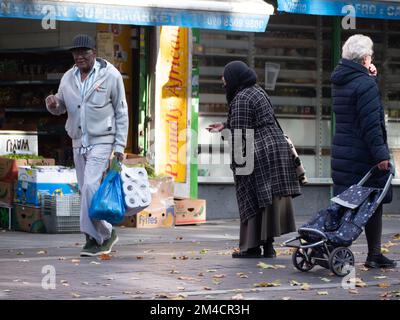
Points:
[(9, 175), (161, 212), (29, 219), (44, 180), (189, 211)]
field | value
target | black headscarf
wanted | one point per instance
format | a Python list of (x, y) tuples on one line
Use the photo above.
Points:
[(237, 76)]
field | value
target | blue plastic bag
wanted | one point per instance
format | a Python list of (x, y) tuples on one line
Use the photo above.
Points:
[(108, 202)]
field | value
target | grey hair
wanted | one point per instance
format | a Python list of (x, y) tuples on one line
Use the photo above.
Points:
[(357, 47)]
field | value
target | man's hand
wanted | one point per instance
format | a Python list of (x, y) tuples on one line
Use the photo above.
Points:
[(384, 165), (373, 70), (52, 102), (216, 127), (119, 156)]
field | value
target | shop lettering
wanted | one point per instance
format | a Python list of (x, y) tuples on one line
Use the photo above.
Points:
[(366, 9), (145, 220), (174, 82), (393, 11), (20, 144)]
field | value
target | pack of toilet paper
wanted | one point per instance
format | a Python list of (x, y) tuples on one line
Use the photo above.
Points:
[(136, 189)]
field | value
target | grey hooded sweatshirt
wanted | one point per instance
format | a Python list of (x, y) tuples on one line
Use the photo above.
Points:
[(104, 108)]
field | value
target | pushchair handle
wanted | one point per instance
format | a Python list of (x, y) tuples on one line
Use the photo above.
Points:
[(387, 185)]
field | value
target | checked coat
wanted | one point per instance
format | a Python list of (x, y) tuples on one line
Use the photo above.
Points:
[(274, 173)]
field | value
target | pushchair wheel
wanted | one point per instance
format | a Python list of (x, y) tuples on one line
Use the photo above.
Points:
[(302, 259), (341, 260)]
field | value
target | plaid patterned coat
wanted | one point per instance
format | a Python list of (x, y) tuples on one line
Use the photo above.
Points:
[(274, 173)]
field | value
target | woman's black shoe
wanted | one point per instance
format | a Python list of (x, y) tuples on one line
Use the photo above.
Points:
[(379, 261), (250, 253), (269, 251)]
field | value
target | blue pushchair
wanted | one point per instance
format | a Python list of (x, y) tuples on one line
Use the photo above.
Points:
[(326, 238)]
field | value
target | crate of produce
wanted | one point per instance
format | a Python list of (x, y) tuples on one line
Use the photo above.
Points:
[(61, 214)]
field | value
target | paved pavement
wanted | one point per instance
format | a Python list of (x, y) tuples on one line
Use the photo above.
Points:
[(185, 262)]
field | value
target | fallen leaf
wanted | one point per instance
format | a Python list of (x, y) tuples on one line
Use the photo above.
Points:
[(126, 292), (139, 257), (353, 291), (239, 296), (209, 297), (20, 253), (219, 276), (384, 285), (183, 258), (179, 238), (204, 251), (267, 284), (94, 262), (42, 252), (75, 295), (201, 274), (364, 269), (105, 257), (62, 258), (65, 284), (110, 278), (174, 272), (75, 260), (396, 237), (242, 275), (279, 266), (181, 288), (389, 244), (139, 292), (322, 293), (265, 265), (63, 281), (305, 286), (216, 281), (326, 280), (360, 283), (207, 288), (148, 251), (23, 260), (85, 283), (211, 270), (180, 296), (384, 250), (294, 283), (187, 278), (380, 277)]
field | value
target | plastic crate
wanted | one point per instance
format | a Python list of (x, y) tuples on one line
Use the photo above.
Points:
[(61, 214), (65, 205), (56, 224)]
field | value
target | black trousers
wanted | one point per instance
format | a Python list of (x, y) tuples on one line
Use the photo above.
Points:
[(373, 232)]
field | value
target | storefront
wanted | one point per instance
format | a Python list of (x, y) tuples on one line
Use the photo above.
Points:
[(34, 37), (305, 47)]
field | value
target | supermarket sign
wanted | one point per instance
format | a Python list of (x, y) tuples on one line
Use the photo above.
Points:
[(238, 15), (389, 10), (19, 142)]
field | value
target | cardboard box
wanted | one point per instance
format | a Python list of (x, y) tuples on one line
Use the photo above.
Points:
[(29, 219), (49, 180), (152, 217), (189, 211), (162, 191), (9, 167), (133, 159), (6, 193)]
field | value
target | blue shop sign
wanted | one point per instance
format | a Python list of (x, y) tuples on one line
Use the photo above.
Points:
[(134, 15), (363, 9)]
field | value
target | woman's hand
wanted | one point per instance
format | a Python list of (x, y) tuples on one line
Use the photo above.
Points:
[(373, 70), (384, 165), (216, 127)]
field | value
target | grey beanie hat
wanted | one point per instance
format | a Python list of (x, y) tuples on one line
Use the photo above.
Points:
[(83, 41)]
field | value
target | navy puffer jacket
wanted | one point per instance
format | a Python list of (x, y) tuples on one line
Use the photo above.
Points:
[(360, 140)]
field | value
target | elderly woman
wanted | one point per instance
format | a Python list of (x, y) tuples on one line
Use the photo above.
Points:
[(264, 194), (360, 141)]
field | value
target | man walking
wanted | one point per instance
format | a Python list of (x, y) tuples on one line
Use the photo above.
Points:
[(93, 95)]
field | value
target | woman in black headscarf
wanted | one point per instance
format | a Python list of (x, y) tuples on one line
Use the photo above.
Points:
[(264, 194)]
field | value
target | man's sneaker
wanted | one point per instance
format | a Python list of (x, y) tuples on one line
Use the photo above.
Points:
[(379, 261), (107, 245), (89, 242)]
